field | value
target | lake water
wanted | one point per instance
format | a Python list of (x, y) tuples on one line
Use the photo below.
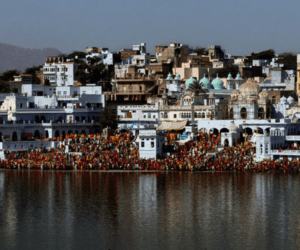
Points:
[(154, 210)]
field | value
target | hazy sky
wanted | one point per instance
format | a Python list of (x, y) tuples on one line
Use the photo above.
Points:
[(239, 26)]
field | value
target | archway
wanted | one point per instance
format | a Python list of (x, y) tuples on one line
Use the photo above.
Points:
[(203, 130), (224, 130), (70, 132), (57, 133), (248, 131), (76, 132), (47, 133), (214, 131), (226, 143), (83, 132), (43, 119), (243, 113), (36, 134), (14, 136), (261, 113), (36, 119), (64, 134), (267, 131)]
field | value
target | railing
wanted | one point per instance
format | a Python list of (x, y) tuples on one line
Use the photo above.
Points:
[(129, 92), (292, 138), (286, 152)]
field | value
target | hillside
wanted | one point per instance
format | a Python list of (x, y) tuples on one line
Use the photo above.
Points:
[(14, 57)]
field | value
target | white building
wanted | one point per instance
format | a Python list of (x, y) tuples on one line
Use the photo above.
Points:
[(60, 73), (151, 143)]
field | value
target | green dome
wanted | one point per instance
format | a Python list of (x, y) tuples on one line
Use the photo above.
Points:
[(229, 76), (189, 82), (217, 83), (169, 77), (238, 76), (177, 77), (205, 83)]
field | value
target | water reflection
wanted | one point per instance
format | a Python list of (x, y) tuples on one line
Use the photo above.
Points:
[(131, 210)]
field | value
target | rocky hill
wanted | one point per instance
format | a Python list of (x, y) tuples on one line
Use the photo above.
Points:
[(14, 57)]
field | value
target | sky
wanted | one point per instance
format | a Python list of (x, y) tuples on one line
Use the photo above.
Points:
[(239, 26)]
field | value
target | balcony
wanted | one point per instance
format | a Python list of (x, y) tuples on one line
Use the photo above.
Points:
[(292, 138), (286, 152)]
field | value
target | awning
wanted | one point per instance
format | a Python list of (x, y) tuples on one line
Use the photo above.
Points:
[(172, 125), (182, 142)]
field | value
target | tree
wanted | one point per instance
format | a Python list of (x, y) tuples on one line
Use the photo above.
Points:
[(201, 50), (32, 71), (92, 71), (108, 118), (223, 72), (4, 87), (196, 87), (9, 75), (78, 54), (288, 59), (266, 54)]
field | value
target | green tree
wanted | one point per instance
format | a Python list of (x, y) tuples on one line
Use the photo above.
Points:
[(196, 87), (32, 71), (266, 54), (75, 54), (4, 87), (288, 59), (108, 118), (9, 75), (223, 72), (201, 50), (92, 71)]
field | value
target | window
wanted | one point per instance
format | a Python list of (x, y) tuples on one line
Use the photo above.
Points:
[(154, 116), (65, 92), (142, 144), (83, 92), (261, 148), (152, 144), (175, 116), (59, 92), (267, 150), (273, 99), (21, 105)]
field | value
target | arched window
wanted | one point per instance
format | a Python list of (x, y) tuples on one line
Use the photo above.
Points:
[(243, 113), (261, 113), (203, 115)]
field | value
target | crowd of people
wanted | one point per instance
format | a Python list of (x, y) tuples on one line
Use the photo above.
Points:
[(119, 152)]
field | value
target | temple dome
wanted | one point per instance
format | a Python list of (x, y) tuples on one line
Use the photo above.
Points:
[(189, 82), (249, 88), (177, 77), (238, 77), (169, 77), (205, 83), (290, 100), (229, 77), (217, 83)]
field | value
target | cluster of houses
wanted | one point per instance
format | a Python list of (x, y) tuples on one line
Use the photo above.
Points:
[(156, 93)]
